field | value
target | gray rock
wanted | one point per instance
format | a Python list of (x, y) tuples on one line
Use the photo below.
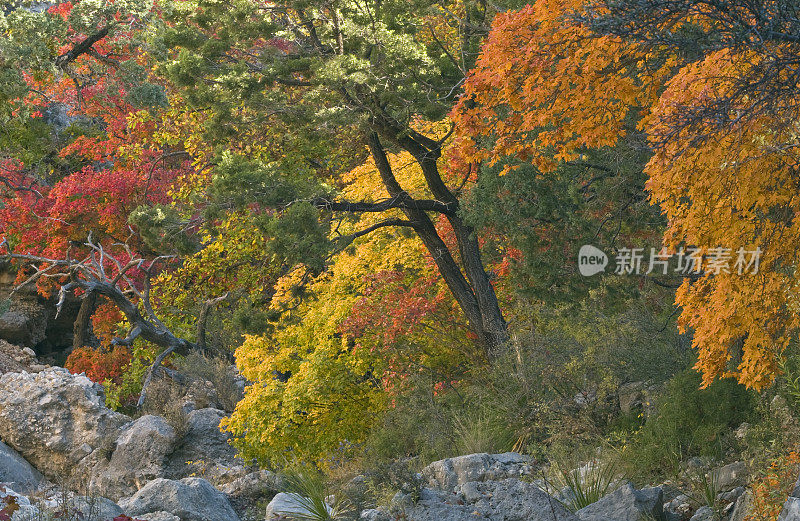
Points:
[(678, 508), (205, 444), (731, 495), (252, 485), (743, 506), (139, 457), (285, 505), (158, 516), (791, 510), (191, 499), (16, 472), (506, 500), (374, 514), (58, 422), (704, 513), (31, 319), (26, 510), (96, 508), (625, 504), (23, 328), (670, 491), (731, 476), (448, 473)]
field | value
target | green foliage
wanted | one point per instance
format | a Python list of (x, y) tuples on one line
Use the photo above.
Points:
[(163, 229), (547, 217), (554, 388), (297, 236), (130, 382), (690, 422)]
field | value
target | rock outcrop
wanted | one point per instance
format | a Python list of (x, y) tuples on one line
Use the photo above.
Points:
[(30, 320), (140, 455), (448, 473), (506, 500), (207, 448), (731, 476), (476, 486), (15, 359), (58, 422), (626, 504), (17, 473), (191, 499)]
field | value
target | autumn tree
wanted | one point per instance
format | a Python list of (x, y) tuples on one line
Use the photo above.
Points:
[(711, 88), (79, 93), (353, 341), (724, 131), (321, 72)]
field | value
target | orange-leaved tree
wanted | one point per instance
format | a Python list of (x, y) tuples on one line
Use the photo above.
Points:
[(712, 94)]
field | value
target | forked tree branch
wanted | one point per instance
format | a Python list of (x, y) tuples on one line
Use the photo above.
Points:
[(91, 275)]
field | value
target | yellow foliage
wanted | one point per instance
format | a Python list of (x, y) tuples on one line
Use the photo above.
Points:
[(336, 388)]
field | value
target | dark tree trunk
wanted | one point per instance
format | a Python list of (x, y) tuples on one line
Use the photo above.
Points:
[(471, 286), (82, 328)]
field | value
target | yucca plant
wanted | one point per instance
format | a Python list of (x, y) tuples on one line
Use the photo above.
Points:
[(587, 484), (705, 490), (309, 490)]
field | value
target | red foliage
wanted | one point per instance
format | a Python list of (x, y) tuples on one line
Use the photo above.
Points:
[(105, 320), (99, 365), (390, 308)]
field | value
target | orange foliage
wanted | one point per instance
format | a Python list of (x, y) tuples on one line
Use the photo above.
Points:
[(98, 364), (772, 488), (735, 188), (545, 90)]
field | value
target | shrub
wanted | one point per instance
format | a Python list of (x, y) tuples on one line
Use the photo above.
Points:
[(99, 364), (690, 421), (215, 370), (163, 398), (119, 369), (772, 487)]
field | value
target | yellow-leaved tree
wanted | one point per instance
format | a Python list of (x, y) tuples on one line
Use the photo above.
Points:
[(348, 338)]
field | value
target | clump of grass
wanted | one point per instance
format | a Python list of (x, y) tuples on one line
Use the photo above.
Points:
[(477, 432), (705, 489), (164, 398), (309, 490), (587, 484), (215, 370)]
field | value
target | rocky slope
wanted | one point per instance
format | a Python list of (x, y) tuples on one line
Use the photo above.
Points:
[(55, 429)]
